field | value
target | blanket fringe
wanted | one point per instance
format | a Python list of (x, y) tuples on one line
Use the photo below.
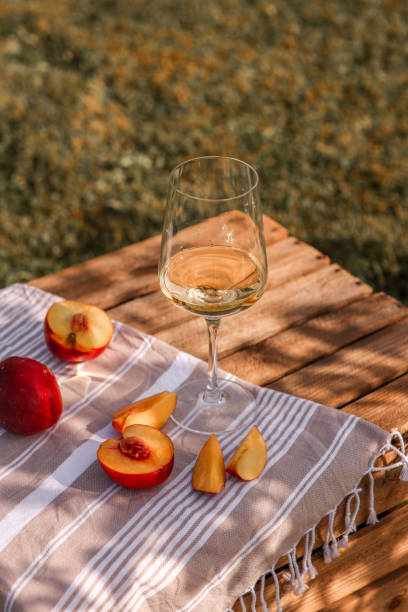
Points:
[(295, 577), (350, 518)]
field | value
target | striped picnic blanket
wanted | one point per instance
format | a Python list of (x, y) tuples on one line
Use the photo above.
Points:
[(71, 539)]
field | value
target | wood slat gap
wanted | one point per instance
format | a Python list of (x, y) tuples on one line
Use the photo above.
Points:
[(358, 540), (385, 406), (131, 271), (344, 346), (353, 371), (153, 313), (290, 259), (129, 300), (363, 396), (391, 494), (390, 592), (306, 342), (363, 563), (387, 512), (308, 296)]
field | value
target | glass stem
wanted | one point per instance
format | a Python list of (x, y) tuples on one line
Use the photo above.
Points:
[(212, 393)]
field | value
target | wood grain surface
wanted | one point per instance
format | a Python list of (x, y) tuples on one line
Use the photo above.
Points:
[(318, 332), (355, 580)]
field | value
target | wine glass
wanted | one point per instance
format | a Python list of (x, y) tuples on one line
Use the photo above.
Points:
[(213, 264)]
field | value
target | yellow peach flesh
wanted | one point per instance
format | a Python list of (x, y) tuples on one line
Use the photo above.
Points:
[(209, 471), (111, 455), (161, 454), (154, 411), (156, 414), (249, 459), (96, 329)]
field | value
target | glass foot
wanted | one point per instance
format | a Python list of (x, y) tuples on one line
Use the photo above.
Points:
[(231, 413)]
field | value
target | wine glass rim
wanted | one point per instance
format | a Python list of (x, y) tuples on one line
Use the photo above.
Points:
[(202, 157)]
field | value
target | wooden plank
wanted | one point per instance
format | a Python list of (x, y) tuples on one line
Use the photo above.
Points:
[(288, 259), (283, 253), (353, 371), (306, 297), (292, 349), (387, 407), (113, 278), (373, 554), (387, 593), (390, 492), (150, 313), (108, 279), (356, 343), (273, 231)]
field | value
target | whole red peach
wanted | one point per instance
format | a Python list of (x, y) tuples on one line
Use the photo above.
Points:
[(30, 398)]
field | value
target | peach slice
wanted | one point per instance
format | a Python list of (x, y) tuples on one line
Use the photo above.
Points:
[(142, 459), (30, 398), (75, 331), (209, 470), (154, 411), (249, 459)]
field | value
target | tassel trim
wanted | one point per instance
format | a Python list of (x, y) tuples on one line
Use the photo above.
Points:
[(295, 577)]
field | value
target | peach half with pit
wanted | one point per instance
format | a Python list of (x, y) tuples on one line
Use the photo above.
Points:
[(30, 398), (154, 410), (249, 459), (142, 459), (75, 331)]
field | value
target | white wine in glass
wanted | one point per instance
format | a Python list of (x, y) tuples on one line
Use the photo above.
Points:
[(213, 264)]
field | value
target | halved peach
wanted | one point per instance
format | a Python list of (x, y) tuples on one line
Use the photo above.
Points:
[(209, 470), (154, 411), (249, 459), (75, 331), (142, 459)]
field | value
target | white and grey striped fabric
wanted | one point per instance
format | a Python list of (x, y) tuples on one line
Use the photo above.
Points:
[(70, 539)]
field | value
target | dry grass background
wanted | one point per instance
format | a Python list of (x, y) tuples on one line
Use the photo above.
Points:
[(99, 99)]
